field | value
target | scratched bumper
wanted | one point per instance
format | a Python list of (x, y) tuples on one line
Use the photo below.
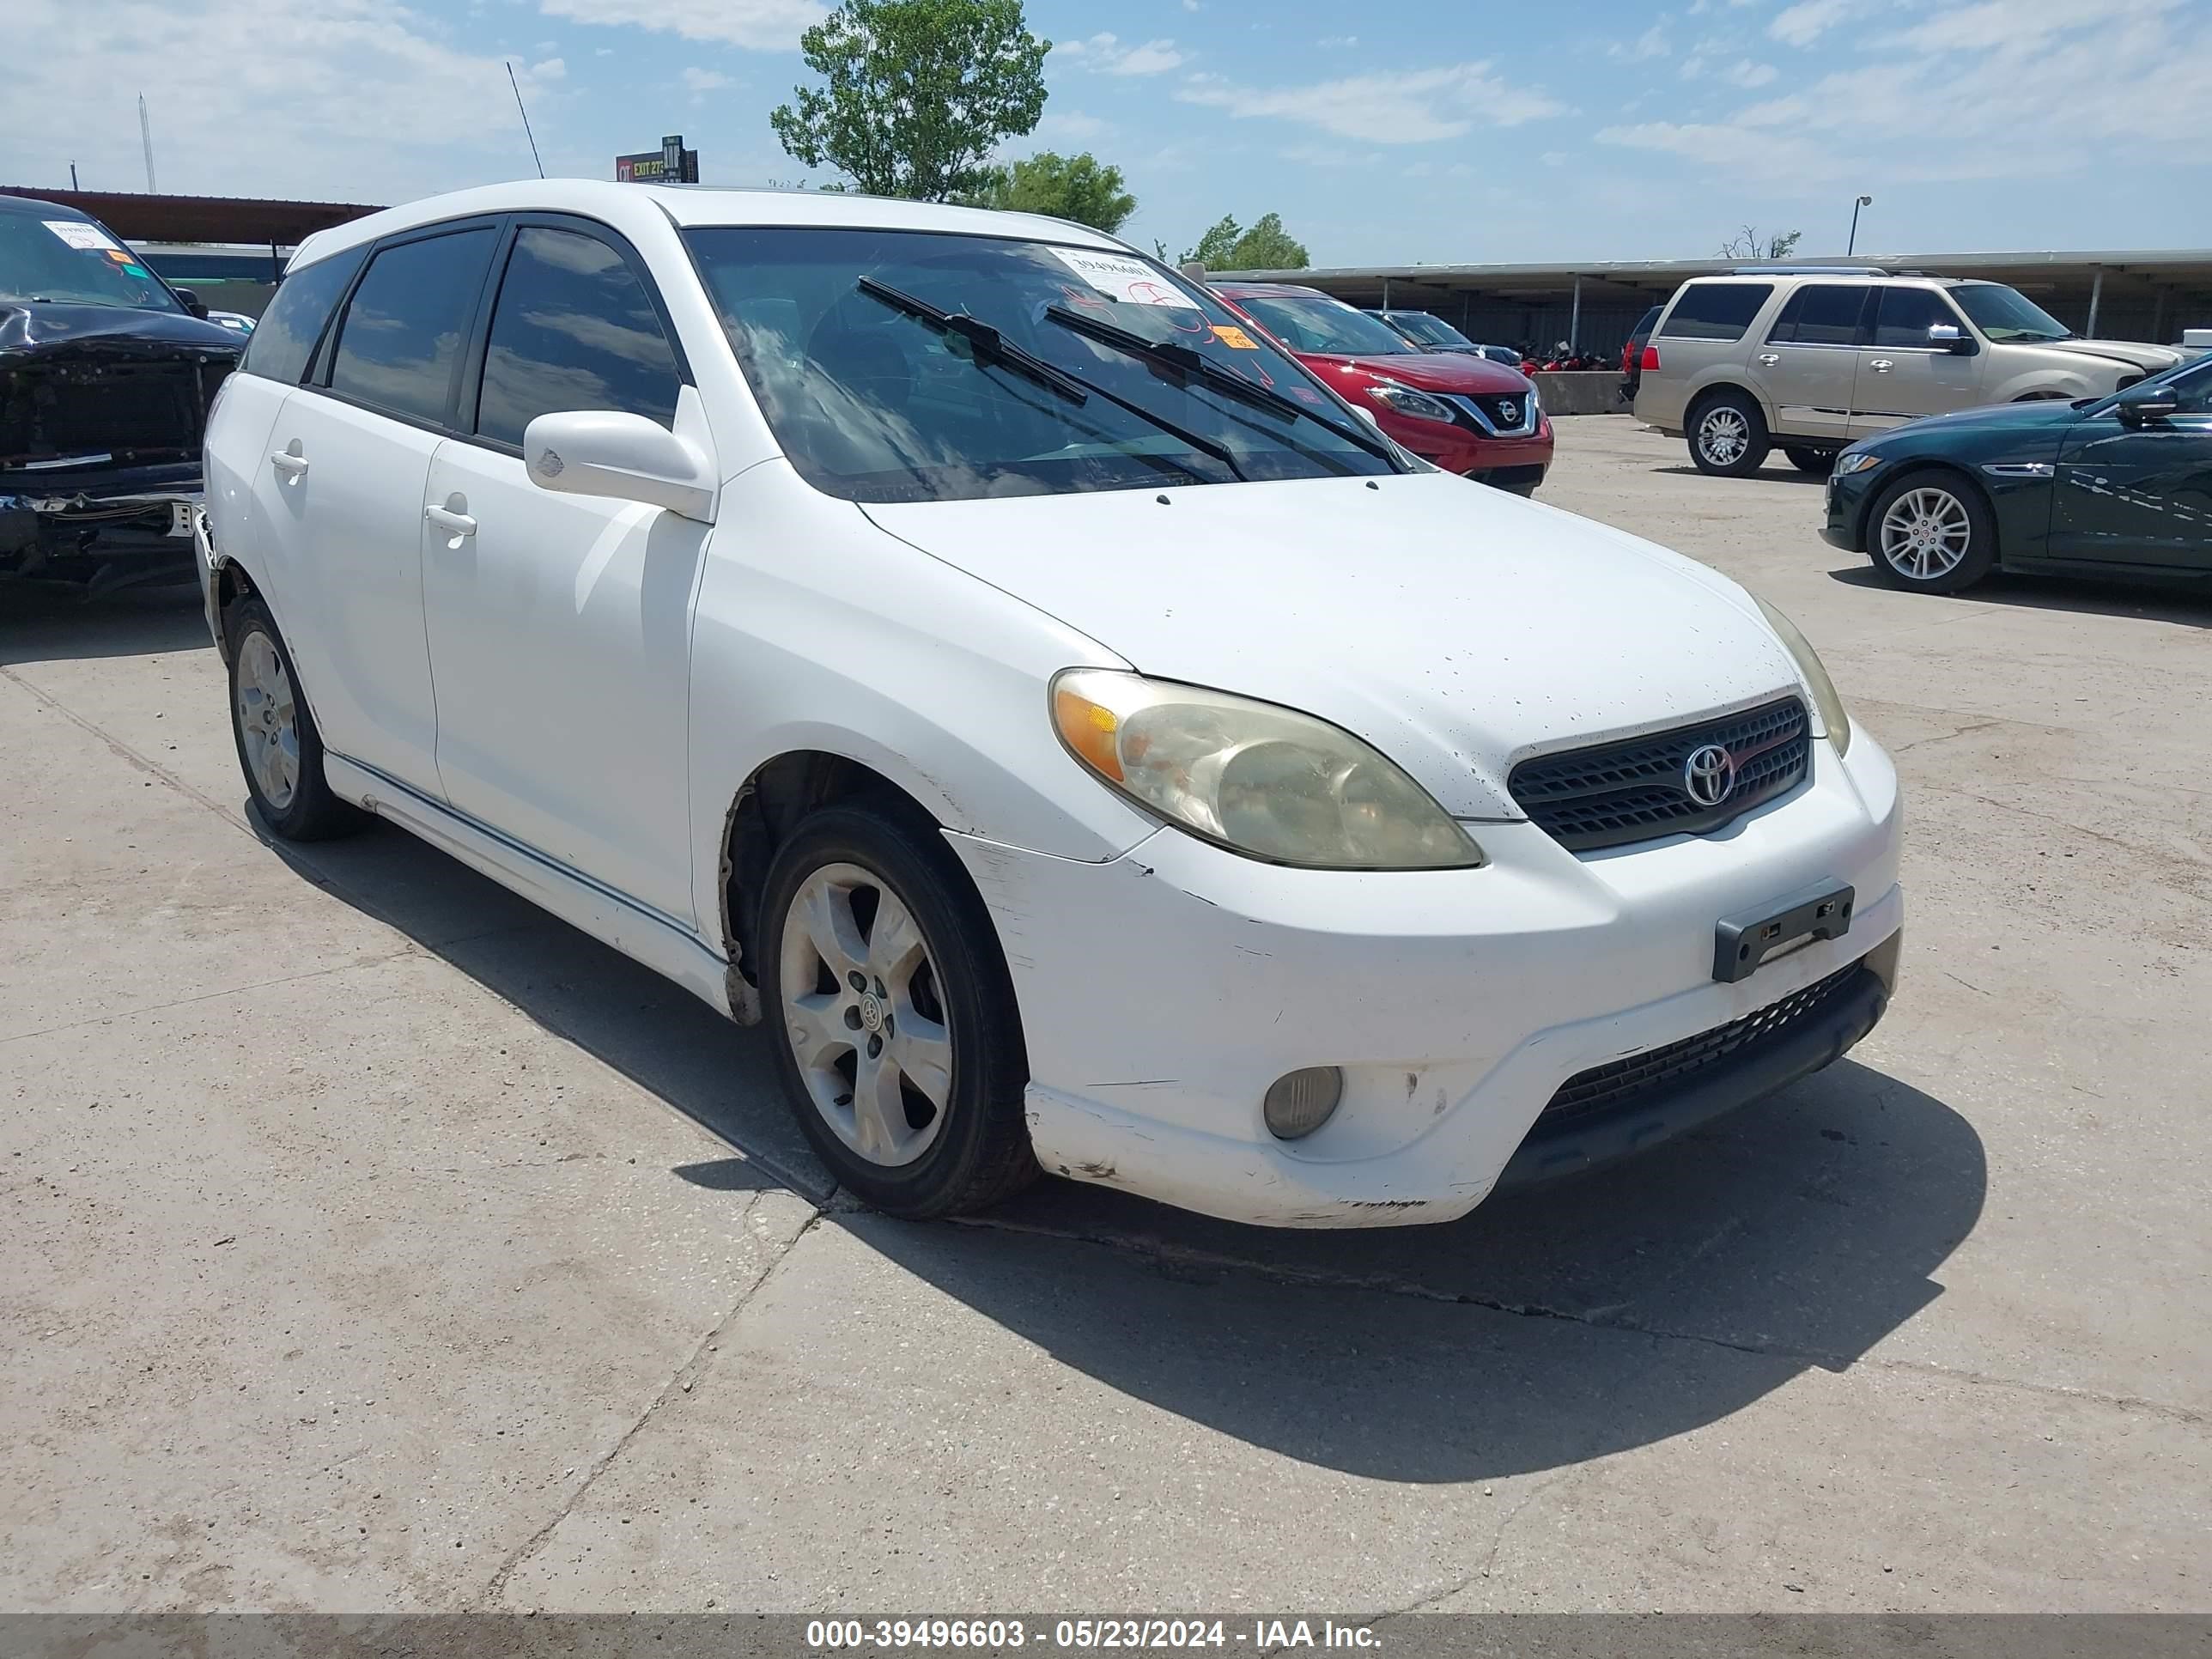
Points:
[(1162, 993)]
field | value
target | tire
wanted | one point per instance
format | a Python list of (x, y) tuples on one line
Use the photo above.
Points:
[(279, 749), (1728, 435), (1818, 462), (1959, 546), (934, 999)]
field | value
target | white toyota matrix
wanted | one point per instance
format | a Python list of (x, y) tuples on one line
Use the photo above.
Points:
[(955, 641)]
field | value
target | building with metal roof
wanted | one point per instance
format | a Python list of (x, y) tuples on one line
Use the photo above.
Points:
[(2120, 294)]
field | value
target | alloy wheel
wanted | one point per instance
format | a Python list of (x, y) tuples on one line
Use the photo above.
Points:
[(864, 1011), (1926, 533), (268, 719), (1723, 435)]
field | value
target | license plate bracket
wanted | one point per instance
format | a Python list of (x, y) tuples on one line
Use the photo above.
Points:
[(1744, 941)]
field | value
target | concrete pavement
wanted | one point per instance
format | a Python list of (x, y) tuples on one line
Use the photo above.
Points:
[(369, 1240)]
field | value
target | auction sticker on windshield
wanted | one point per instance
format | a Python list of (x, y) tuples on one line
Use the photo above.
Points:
[(77, 234), (1125, 278)]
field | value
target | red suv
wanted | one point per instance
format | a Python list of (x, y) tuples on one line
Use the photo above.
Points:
[(1463, 413)]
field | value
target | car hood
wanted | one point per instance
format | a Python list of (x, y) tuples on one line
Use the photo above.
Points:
[(28, 328), (1456, 628), (1461, 372), (2039, 412), (2148, 358)]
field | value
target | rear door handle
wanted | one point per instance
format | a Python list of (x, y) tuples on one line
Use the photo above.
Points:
[(289, 462), (458, 524), (1881, 365), (1770, 358)]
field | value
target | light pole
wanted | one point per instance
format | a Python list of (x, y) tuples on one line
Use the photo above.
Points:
[(1863, 201)]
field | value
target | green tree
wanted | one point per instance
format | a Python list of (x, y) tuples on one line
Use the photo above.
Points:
[(916, 93), (1228, 246), (1079, 187)]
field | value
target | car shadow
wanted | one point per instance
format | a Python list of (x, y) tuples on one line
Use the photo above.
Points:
[(1781, 474), (50, 623), (2188, 607), (1547, 1328)]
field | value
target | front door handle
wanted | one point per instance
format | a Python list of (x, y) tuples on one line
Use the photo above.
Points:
[(1881, 365), (1770, 358), (289, 462), (454, 523)]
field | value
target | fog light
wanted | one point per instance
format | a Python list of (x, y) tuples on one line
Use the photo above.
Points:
[(1298, 1103)]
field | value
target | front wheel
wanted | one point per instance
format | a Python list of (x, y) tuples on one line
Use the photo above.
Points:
[(1728, 436), (1931, 533), (279, 748), (899, 1043), (1818, 462)]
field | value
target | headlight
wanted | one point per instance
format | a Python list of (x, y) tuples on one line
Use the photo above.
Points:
[(1259, 780), (1407, 401), (1535, 399), (1855, 461), (1838, 723)]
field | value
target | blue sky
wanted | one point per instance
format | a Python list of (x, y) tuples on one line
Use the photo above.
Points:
[(1455, 130)]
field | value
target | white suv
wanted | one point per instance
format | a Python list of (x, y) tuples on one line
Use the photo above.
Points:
[(953, 637), (1809, 359)]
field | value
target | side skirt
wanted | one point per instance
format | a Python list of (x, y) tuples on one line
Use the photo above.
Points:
[(660, 942)]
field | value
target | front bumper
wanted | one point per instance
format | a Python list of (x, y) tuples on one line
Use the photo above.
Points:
[(100, 529), (1162, 991), (1845, 501)]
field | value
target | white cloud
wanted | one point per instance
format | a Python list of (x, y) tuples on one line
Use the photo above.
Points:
[(703, 80), (1416, 107), (1069, 126), (1806, 22), (1744, 73), (1106, 53), (1652, 43), (1942, 100), (1330, 41), (760, 24), (367, 101)]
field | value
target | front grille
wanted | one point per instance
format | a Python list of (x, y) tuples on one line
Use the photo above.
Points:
[(1622, 1084), (137, 413), (1500, 415), (1619, 793)]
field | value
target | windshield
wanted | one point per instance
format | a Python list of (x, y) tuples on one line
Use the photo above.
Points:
[(1430, 331), (2006, 314), (874, 401), (1313, 322), (74, 262)]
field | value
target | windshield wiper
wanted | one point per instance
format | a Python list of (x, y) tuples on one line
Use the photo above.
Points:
[(991, 346), (985, 343), (1188, 360)]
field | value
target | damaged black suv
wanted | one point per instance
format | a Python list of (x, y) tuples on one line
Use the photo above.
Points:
[(105, 376)]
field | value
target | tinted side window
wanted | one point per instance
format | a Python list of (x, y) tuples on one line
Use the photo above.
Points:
[(572, 329), (1907, 314), (401, 339), (287, 333), (1716, 311), (1820, 313), (2194, 391)]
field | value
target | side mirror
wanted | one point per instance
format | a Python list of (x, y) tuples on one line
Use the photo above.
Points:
[(1368, 415), (193, 303), (1945, 337), (2141, 406), (604, 452)]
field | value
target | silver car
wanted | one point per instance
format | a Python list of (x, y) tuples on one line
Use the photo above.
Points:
[(1809, 360)]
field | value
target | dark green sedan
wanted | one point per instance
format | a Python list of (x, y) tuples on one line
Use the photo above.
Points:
[(2118, 486)]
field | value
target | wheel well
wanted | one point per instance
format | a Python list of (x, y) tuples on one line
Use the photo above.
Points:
[(768, 806), (1720, 389), (2045, 396), (231, 583)]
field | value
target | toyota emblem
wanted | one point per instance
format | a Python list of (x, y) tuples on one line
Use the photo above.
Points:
[(1709, 774)]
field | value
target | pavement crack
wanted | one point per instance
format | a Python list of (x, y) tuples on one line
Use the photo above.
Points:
[(211, 996), (125, 752), (677, 1385)]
